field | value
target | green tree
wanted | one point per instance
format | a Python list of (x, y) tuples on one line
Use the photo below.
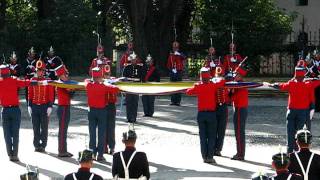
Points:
[(259, 26)]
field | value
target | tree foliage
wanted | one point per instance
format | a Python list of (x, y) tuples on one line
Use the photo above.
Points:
[(259, 26)]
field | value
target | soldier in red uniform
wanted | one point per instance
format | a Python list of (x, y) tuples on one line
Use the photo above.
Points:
[(232, 60), (10, 114), (222, 110), (239, 99), (125, 56), (111, 99), (97, 101), (100, 61), (298, 104), (15, 68), (212, 61), (175, 65), (206, 91), (40, 100), (63, 112)]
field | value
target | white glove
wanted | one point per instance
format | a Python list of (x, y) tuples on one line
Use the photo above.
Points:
[(233, 59), (29, 111), (99, 61), (177, 53), (174, 70), (45, 82), (212, 64), (49, 110), (311, 113)]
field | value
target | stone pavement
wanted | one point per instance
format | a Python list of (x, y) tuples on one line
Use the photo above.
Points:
[(170, 140)]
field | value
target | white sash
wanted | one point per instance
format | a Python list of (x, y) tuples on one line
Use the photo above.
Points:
[(304, 172), (289, 177), (75, 178), (126, 167)]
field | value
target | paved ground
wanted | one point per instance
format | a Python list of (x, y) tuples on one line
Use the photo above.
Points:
[(170, 140)]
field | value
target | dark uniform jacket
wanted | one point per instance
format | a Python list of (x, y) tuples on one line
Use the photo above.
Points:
[(51, 65), (15, 70), (151, 74), (83, 174), (134, 71), (139, 165), (29, 67), (304, 155), (284, 176)]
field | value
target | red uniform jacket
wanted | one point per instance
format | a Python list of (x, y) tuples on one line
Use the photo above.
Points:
[(64, 97), (207, 95), (40, 94), (228, 65), (111, 98), (9, 91), (212, 67), (240, 98), (99, 63), (299, 94), (97, 93), (124, 59), (175, 61), (313, 85)]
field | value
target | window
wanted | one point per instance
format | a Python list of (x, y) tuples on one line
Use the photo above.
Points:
[(302, 2)]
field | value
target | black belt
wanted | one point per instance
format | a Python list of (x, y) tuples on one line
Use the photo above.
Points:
[(11, 106)]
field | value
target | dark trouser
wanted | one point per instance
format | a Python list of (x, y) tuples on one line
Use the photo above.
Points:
[(132, 107), (317, 99), (175, 77), (296, 119), (63, 114), (239, 122), (111, 125), (97, 118), (207, 132), (26, 95), (148, 105), (222, 118), (11, 119), (40, 122)]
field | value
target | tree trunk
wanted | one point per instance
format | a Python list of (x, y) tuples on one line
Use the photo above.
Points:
[(3, 7), (45, 8), (153, 28)]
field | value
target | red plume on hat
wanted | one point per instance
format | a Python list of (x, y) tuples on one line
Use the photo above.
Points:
[(97, 72), (241, 71), (40, 65), (205, 73), (4, 70), (100, 48), (60, 70)]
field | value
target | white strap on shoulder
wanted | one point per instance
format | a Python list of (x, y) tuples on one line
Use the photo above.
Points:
[(91, 177), (289, 177), (126, 167), (304, 172), (74, 176)]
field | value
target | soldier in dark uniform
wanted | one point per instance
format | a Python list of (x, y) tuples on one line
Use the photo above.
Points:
[(280, 162), (130, 163), (304, 161), (52, 62), (85, 159), (175, 65), (133, 70), (151, 75), (29, 67), (15, 68)]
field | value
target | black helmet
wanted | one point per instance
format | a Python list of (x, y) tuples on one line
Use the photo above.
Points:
[(129, 135), (30, 175), (281, 159), (304, 136), (86, 156)]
